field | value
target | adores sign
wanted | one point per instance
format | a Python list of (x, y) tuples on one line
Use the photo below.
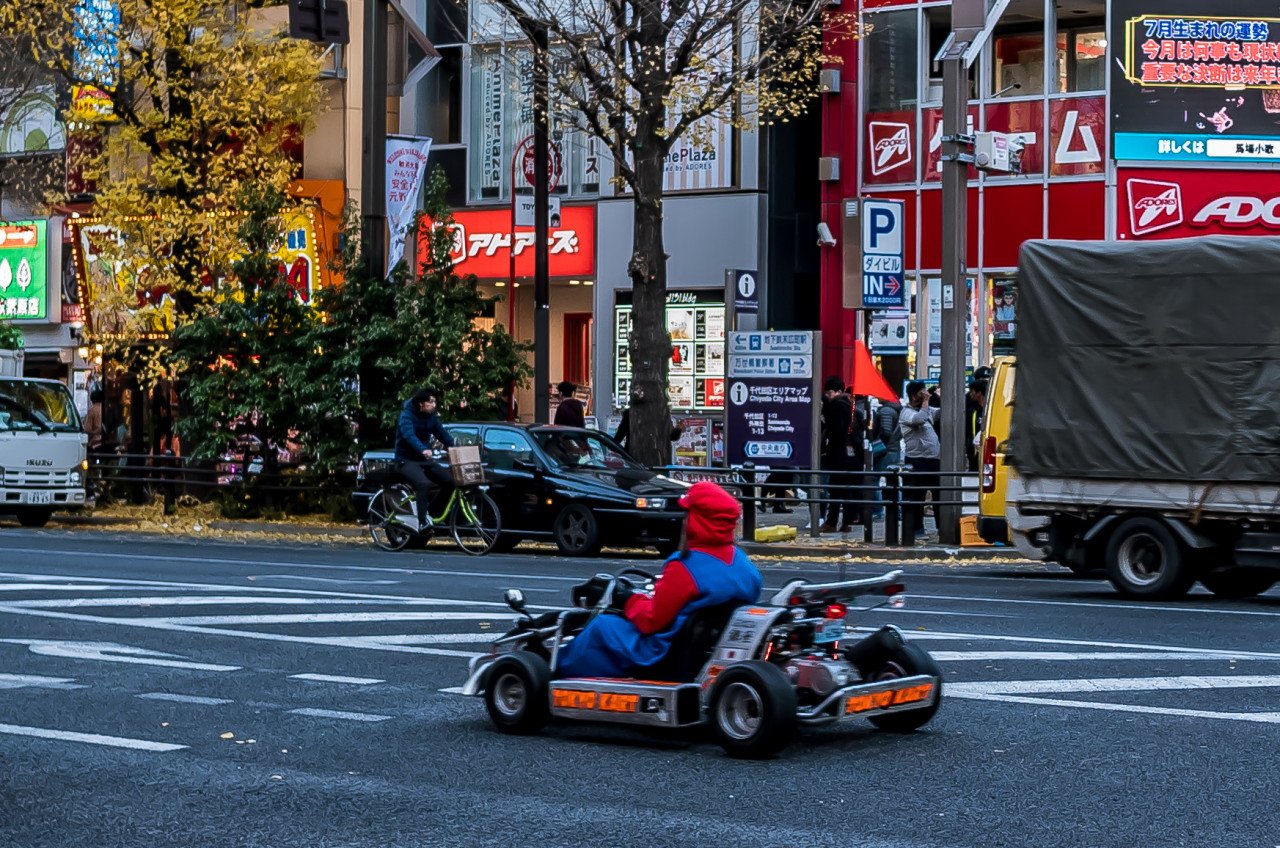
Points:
[(1165, 204)]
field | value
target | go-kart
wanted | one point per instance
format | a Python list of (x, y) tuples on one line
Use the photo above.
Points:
[(752, 672)]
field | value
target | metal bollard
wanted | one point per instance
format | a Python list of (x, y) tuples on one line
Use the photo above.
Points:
[(912, 515), (750, 492), (891, 505)]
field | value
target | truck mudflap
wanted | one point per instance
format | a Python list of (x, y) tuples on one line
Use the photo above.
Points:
[(864, 700), (637, 702)]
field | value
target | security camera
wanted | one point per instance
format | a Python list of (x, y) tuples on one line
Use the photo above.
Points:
[(825, 238)]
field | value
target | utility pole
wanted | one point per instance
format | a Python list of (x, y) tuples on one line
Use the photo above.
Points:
[(541, 259), (968, 18), (373, 180)]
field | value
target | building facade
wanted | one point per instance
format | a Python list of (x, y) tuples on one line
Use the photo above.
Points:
[(1145, 120)]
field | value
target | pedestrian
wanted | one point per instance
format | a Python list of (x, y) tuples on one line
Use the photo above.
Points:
[(975, 407), (919, 423), (93, 426), (837, 454), (886, 443), (570, 412)]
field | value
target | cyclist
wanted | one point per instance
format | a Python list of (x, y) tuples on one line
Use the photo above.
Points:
[(418, 424)]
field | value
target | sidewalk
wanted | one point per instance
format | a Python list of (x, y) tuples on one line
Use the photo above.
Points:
[(205, 522)]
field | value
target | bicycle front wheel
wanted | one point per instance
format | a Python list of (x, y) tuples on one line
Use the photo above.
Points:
[(476, 522), (387, 509)]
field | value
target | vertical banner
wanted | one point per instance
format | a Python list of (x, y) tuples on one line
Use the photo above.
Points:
[(406, 169)]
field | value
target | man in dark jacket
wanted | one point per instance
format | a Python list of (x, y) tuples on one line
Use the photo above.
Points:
[(419, 424), (838, 453), (975, 409), (570, 412)]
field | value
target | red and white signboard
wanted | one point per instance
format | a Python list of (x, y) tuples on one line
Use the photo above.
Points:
[(891, 148), (482, 244), (1168, 203)]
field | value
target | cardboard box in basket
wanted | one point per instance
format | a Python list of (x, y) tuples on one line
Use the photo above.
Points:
[(464, 463)]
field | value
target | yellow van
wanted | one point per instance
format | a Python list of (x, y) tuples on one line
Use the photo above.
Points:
[(993, 527)]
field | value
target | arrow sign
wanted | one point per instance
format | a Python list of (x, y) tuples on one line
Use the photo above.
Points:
[(18, 236), (111, 652)]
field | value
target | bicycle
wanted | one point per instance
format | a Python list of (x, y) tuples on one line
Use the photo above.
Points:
[(473, 518)]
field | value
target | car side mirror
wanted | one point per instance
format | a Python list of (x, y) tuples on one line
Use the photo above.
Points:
[(515, 599)]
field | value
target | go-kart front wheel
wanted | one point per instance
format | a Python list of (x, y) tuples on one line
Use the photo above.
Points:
[(517, 694), (753, 710), (908, 661)]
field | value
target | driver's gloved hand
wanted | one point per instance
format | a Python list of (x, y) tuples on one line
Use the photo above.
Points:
[(621, 594)]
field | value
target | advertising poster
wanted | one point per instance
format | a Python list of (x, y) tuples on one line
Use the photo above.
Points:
[(1190, 84), (24, 289), (1004, 310), (695, 322), (933, 357)]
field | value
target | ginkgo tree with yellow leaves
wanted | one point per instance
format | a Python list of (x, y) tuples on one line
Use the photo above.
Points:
[(177, 106), (642, 76)]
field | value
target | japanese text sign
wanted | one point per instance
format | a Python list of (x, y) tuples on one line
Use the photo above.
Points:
[(24, 271)]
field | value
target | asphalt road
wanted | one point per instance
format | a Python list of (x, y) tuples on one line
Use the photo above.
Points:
[(166, 694)]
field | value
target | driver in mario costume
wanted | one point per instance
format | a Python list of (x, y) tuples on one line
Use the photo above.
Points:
[(709, 571)]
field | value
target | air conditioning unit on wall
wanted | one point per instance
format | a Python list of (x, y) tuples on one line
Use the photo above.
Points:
[(829, 80)]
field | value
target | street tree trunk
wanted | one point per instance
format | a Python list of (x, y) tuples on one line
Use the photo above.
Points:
[(650, 341)]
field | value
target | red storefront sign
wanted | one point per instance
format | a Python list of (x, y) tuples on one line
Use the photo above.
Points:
[(482, 244), (1026, 119), (891, 148), (933, 142), (1168, 203), (1078, 136)]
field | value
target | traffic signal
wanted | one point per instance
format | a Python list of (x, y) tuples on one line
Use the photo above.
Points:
[(321, 21)]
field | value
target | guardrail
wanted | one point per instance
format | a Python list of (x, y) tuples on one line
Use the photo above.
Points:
[(899, 490)]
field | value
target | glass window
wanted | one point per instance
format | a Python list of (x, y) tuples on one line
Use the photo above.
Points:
[(439, 99), (890, 51), (576, 449), (937, 22), (41, 407), (446, 21), (1017, 50), (464, 436), (503, 448), (1081, 46)]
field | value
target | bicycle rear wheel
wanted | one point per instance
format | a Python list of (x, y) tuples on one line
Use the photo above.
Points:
[(476, 522), (387, 511)]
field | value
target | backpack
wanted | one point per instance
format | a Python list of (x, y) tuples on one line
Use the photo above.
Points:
[(888, 432)]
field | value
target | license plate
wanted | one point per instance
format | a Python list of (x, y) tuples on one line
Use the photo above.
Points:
[(828, 630), (37, 497)]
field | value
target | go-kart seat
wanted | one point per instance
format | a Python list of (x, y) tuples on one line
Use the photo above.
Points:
[(692, 645)]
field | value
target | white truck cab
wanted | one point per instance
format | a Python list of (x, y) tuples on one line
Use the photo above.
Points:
[(43, 450)]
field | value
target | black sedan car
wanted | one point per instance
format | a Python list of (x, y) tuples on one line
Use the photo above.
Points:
[(572, 486)]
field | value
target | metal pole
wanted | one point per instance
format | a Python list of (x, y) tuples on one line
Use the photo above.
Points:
[(541, 277), (511, 286), (373, 196), (955, 299)]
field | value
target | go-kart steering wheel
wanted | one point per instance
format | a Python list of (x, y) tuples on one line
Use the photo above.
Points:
[(646, 576)]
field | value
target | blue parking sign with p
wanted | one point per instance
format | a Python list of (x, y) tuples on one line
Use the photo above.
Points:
[(883, 236)]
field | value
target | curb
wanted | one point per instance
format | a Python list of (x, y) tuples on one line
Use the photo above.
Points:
[(919, 552)]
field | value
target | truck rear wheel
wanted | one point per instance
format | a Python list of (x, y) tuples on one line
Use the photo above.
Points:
[(1145, 560), (34, 517)]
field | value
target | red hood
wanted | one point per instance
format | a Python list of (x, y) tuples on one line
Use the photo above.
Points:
[(713, 516)]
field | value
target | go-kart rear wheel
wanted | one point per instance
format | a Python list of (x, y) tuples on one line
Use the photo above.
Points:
[(753, 710), (908, 661), (517, 693)]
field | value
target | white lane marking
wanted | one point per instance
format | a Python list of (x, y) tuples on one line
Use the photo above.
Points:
[(326, 618), (1114, 684), (89, 738), (210, 600), (912, 611), (337, 580), (330, 678), (61, 587), (307, 711), (452, 690), (1263, 718), (272, 590), (111, 652), (500, 575), (1096, 605), (184, 699), (21, 681), (1053, 656), (431, 638), (154, 624), (1082, 643)]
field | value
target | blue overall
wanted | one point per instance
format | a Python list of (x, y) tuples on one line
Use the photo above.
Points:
[(611, 646)]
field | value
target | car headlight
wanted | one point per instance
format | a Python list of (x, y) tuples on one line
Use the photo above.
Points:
[(76, 478), (651, 503)]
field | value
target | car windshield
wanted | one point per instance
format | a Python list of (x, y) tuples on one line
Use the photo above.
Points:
[(575, 449), (36, 406)]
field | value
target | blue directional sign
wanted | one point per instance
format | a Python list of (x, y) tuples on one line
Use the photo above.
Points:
[(884, 284), (769, 450)]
